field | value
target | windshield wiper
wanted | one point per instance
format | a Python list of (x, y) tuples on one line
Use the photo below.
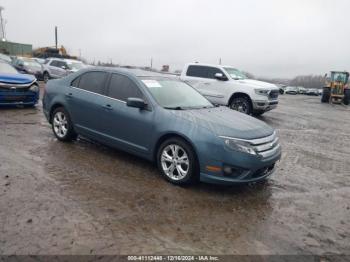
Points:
[(174, 108)]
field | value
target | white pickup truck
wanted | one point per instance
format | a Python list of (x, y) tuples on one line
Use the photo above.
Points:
[(225, 85)]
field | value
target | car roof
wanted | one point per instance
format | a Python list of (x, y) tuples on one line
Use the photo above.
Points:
[(138, 72)]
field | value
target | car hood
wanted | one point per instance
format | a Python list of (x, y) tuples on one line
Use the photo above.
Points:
[(258, 84), (16, 79), (223, 121)]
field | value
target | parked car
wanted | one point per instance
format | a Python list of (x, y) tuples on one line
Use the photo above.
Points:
[(16, 88), (39, 60), (302, 90), (5, 58), (59, 67), (282, 89), (312, 92), (225, 85), (162, 119), (291, 90), (75, 65), (30, 66)]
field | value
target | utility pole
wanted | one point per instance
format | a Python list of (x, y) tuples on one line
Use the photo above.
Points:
[(220, 61), (56, 40), (2, 22), (151, 62)]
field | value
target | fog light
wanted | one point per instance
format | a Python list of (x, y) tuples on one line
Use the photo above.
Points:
[(233, 171)]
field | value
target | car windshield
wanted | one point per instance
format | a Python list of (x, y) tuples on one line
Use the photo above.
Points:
[(235, 73), (75, 65), (174, 94), (7, 69)]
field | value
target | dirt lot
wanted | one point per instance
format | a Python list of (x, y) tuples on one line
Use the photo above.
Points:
[(84, 198)]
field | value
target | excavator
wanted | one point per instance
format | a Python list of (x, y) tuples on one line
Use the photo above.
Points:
[(337, 89)]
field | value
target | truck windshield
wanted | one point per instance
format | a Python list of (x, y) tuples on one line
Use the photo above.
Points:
[(174, 94), (235, 73)]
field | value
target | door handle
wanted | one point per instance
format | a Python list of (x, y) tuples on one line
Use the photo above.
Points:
[(207, 83), (108, 107)]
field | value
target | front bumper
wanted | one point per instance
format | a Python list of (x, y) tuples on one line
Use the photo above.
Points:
[(264, 105), (221, 165), (9, 98)]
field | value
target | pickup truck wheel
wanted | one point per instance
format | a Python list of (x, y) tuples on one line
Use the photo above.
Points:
[(241, 104), (46, 77)]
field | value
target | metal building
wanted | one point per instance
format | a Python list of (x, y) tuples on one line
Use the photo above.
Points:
[(11, 48)]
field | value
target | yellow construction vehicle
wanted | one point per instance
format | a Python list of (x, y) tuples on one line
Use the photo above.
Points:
[(45, 52), (337, 88)]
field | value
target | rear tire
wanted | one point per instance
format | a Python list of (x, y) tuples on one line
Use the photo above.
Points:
[(241, 104), (177, 162), (62, 125)]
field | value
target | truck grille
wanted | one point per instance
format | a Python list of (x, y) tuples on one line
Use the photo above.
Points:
[(273, 94)]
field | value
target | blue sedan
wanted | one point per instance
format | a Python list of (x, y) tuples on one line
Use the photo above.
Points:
[(162, 119), (16, 88)]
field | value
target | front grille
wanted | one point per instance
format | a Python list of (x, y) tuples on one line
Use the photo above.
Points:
[(273, 94), (266, 146), (5, 89)]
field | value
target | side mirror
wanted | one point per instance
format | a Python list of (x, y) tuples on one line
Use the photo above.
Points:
[(136, 102), (64, 67), (220, 76), (21, 65)]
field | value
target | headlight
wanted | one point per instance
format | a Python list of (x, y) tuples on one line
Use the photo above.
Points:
[(238, 145), (34, 88), (263, 92)]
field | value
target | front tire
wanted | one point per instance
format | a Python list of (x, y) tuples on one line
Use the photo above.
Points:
[(325, 95), (177, 162), (62, 125), (241, 104)]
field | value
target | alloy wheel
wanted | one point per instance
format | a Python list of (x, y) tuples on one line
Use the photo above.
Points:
[(175, 162), (60, 124)]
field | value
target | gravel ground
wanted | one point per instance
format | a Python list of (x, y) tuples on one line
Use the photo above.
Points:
[(84, 198)]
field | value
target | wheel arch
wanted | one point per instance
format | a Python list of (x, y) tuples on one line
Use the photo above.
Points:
[(53, 108), (166, 136), (240, 94)]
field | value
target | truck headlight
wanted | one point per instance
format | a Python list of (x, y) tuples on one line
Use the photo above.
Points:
[(34, 88), (238, 145), (263, 92)]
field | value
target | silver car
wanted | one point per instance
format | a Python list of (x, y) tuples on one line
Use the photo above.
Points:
[(57, 67)]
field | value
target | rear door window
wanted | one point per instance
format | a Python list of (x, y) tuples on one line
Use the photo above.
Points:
[(121, 87), (92, 82)]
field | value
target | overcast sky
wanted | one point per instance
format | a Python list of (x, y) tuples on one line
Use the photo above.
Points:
[(273, 38)]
